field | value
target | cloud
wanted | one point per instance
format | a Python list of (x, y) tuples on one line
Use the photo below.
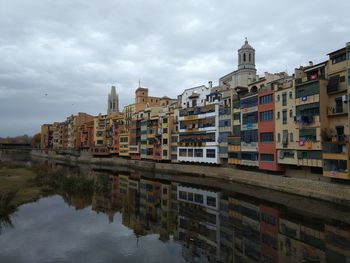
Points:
[(74, 51)]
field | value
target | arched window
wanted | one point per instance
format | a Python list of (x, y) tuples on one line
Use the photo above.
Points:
[(239, 58), (244, 57), (250, 58)]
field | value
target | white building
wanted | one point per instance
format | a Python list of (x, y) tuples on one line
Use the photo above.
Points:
[(199, 126)]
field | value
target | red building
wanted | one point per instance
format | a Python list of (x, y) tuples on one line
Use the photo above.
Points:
[(87, 135), (269, 233), (266, 130), (135, 139)]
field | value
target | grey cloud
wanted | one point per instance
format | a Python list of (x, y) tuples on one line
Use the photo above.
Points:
[(74, 51)]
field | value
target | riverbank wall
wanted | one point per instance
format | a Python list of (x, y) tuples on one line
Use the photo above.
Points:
[(321, 190)]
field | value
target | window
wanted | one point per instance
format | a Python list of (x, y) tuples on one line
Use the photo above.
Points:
[(278, 115), (251, 117), (266, 99), (291, 113), (183, 195), (190, 197), (250, 57), (198, 152), (211, 201), (291, 137), (198, 198), (307, 90), (165, 153), (236, 116), (249, 136), (249, 156), (183, 152), (284, 116), (190, 152), (266, 115), (271, 220), (266, 157), (165, 141), (307, 134), (290, 95), (278, 98), (266, 137), (249, 102), (165, 130), (339, 58), (285, 137), (284, 99), (244, 57), (210, 153), (312, 109), (279, 137)]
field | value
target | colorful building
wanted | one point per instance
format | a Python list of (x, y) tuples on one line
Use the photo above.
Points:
[(335, 131), (199, 126), (311, 113)]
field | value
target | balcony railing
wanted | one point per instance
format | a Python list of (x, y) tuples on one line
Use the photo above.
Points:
[(335, 147), (337, 110)]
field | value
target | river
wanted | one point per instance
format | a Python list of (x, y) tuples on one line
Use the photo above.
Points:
[(134, 216)]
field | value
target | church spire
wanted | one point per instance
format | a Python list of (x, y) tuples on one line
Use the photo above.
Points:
[(113, 101)]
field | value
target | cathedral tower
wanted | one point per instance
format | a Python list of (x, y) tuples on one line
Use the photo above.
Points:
[(246, 56), (113, 101)]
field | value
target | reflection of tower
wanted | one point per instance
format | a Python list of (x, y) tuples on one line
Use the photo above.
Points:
[(113, 101)]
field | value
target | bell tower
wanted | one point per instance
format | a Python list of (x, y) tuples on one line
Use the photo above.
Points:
[(246, 56), (113, 101)]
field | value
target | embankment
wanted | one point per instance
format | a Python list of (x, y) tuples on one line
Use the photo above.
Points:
[(325, 191)]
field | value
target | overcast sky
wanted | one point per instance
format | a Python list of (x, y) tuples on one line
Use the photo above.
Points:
[(73, 51)]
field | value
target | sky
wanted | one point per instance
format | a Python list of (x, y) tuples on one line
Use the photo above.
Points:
[(58, 58)]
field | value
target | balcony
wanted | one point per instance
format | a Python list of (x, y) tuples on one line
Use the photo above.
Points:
[(336, 165), (310, 77), (197, 110), (307, 99), (337, 110), (335, 150)]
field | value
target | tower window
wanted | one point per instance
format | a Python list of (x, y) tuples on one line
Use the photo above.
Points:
[(239, 58), (250, 59), (244, 57)]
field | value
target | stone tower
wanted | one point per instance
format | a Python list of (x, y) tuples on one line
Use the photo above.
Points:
[(113, 101), (246, 56)]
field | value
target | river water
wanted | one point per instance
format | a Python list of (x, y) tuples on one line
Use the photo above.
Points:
[(134, 216)]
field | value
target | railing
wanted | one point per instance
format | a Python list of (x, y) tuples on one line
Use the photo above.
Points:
[(335, 147)]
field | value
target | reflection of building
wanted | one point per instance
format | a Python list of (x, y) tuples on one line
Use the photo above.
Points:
[(300, 243), (198, 223), (337, 244)]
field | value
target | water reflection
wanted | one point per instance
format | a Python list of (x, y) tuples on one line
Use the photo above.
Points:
[(210, 224)]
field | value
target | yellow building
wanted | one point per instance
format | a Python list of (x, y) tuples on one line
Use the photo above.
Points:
[(285, 105), (234, 141), (311, 113), (100, 123), (124, 139), (45, 136), (336, 132)]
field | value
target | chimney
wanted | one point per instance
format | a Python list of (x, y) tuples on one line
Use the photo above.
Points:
[(311, 63), (210, 84)]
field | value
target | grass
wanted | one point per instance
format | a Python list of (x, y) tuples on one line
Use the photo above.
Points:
[(21, 182)]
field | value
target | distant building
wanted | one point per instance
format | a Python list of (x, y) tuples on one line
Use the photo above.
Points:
[(113, 101)]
